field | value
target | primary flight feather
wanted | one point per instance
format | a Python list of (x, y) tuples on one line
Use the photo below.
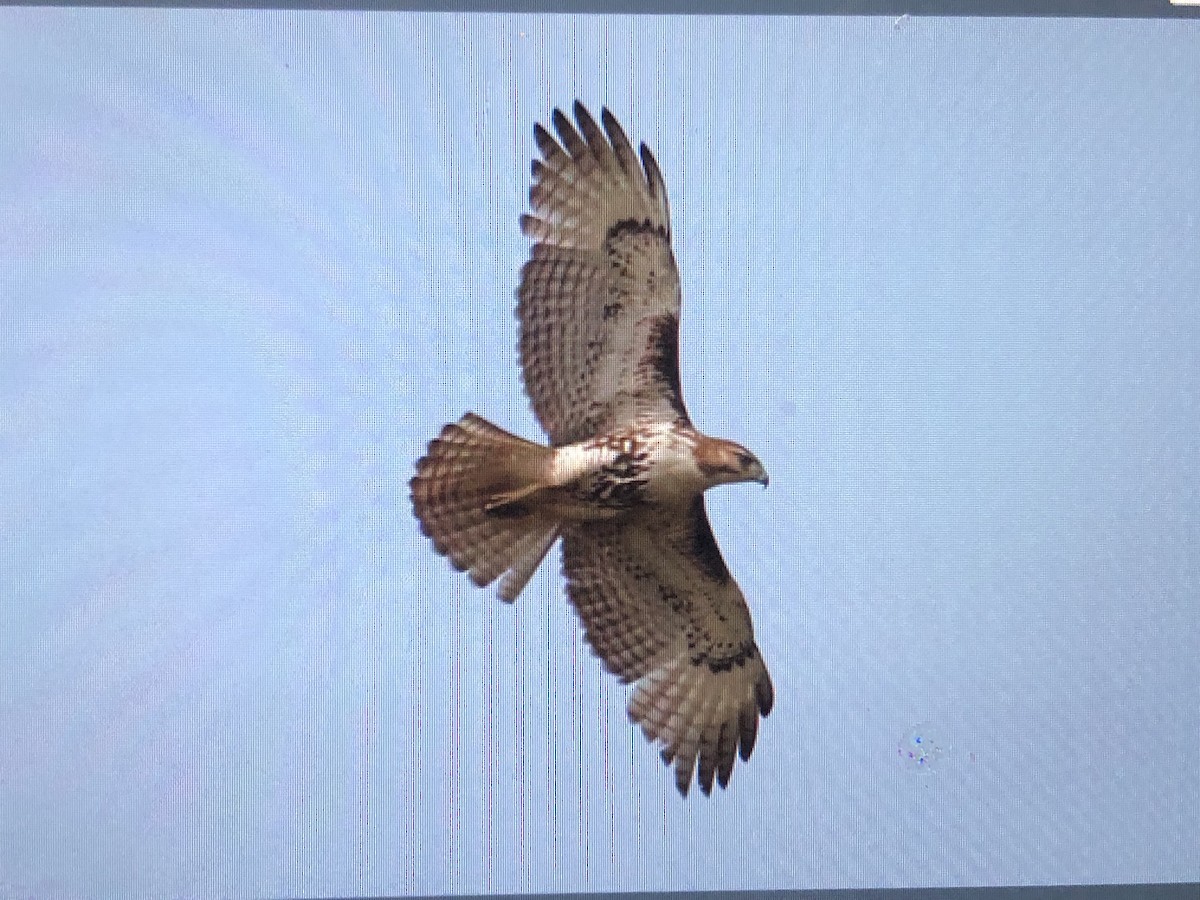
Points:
[(623, 480)]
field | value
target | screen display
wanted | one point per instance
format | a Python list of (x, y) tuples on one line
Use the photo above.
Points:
[(939, 277)]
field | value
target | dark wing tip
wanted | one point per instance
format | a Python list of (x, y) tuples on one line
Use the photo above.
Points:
[(748, 726), (650, 164), (654, 178), (547, 145), (611, 125), (591, 131), (567, 134), (620, 143), (683, 778), (726, 752), (764, 693)]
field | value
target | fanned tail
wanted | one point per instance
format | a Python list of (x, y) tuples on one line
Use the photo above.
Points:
[(475, 494)]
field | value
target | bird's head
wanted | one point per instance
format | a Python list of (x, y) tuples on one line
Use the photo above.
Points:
[(724, 462)]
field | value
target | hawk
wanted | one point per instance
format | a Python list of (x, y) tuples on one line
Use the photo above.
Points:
[(623, 480)]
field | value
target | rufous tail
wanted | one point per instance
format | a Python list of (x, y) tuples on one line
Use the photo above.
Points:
[(475, 494)]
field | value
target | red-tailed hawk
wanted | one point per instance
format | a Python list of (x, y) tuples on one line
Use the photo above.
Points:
[(623, 480)]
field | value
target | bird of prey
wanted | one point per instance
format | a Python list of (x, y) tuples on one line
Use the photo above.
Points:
[(623, 480)]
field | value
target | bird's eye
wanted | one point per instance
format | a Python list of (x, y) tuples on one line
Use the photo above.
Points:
[(744, 460)]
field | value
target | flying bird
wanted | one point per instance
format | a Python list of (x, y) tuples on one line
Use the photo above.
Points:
[(623, 479)]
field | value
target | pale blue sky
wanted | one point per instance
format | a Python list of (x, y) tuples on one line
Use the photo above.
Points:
[(940, 275)]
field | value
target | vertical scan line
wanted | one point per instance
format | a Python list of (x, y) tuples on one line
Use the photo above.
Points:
[(551, 734), (577, 712), (522, 769), (489, 737), (364, 784), (453, 860), (610, 795)]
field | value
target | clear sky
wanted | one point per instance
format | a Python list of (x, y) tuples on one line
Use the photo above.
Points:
[(941, 276)]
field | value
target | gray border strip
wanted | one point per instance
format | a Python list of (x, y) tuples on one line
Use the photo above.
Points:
[(1055, 892), (1183, 891), (1097, 9)]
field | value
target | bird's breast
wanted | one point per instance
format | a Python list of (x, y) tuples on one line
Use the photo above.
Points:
[(619, 471)]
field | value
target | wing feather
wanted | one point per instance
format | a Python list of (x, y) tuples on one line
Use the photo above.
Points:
[(598, 145), (620, 143), (659, 614), (658, 187), (551, 152), (599, 298)]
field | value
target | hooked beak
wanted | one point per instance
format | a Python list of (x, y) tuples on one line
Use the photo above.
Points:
[(762, 478)]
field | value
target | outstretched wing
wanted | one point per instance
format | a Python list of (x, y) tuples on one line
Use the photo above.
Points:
[(599, 297), (660, 608)]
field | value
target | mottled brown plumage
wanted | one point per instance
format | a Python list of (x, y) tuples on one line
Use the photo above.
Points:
[(624, 478)]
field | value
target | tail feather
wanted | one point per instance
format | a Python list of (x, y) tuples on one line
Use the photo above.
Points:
[(532, 551), (475, 495)]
